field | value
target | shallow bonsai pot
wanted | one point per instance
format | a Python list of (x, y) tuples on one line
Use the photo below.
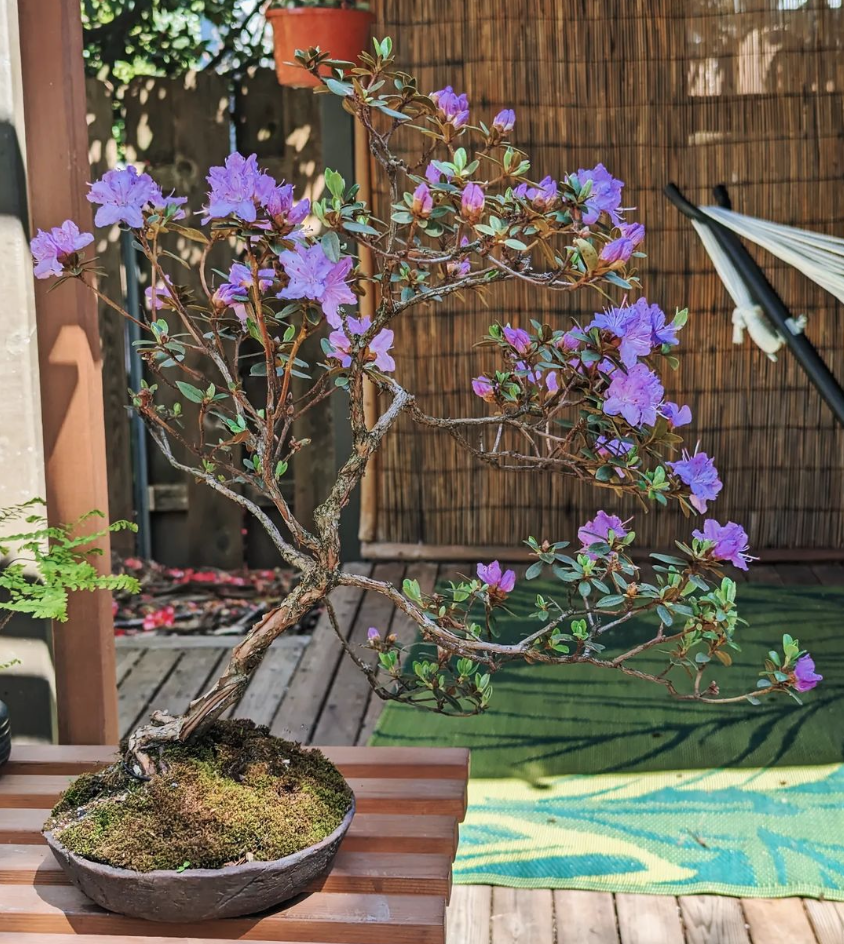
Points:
[(201, 894), (342, 33)]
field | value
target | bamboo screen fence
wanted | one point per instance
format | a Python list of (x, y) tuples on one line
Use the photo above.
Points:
[(744, 92)]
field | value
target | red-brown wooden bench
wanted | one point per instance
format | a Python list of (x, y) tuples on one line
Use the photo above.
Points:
[(389, 885)]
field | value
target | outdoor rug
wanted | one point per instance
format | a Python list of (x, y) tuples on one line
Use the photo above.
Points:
[(585, 779)]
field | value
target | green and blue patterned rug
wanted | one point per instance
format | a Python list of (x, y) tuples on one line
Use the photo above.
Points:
[(581, 779)]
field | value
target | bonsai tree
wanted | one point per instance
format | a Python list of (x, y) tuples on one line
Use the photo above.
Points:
[(585, 400)]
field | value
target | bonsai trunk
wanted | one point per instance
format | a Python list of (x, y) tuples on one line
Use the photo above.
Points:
[(246, 657)]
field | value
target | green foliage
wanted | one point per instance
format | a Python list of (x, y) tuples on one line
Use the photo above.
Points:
[(125, 38), (49, 562)]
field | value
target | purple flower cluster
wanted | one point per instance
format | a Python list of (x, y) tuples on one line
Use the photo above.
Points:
[(504, 121), (518, 339), (313, 275), (54, 250), (377, 351), (635, 395), (234, 293), (484, 388), (497, 581), (605, 195), (422, 202), (729, 542), (805, 676), (454, 108), (543, 196), (240, 188), (123, 195), (598, 529), (623, 247), (699, 473), (472, 203), (640, 328), (610, 449)]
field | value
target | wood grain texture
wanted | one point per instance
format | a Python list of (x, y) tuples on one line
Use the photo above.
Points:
[(522, 916), (777, 919), (469, 914), (585, 917), (646, 919), (713, 919), (827, 920)]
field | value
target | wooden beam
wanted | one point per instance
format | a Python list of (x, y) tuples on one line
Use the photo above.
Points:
[(69, 355)]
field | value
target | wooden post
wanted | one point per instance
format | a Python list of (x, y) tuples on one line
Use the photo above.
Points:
[(69, 355)]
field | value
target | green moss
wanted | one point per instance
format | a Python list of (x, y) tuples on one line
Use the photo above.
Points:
[(234, 795)]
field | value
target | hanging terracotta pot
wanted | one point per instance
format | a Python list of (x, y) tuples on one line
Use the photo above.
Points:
[(342, 32)]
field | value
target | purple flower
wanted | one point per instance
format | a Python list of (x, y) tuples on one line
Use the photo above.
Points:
[(433, 174), (568, 342), (805, 676), (699, 473), (235, 292), (605, 195), (484, 388), (423, 202), (598, 529), (504, 121), (552, 381), (279, 204), (237, 189), (631, 327), (635, 395), (459, 268), (730, 542), (377, 351), (654, 317), (372, 634), (518, 338), (51, 251), (122, 195), (543, 196), (472, 203), (156, 295), (454, 108), (622, 248), (495, 579), (612, 448), (313, 275), (676, 415)]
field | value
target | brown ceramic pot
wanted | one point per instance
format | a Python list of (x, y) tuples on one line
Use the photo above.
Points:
[(200, 894)]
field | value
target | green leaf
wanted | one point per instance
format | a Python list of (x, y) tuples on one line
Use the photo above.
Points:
[(364, 228), (343, 89), (191, 392), (534, 570), (330, 243)]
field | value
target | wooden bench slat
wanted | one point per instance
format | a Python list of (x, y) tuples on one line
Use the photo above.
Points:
[(356, 919), (450, 763), (369, 832), (363, 873), (413, 797), (41, 938)]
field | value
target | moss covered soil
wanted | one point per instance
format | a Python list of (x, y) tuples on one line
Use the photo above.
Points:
[(235, 795)]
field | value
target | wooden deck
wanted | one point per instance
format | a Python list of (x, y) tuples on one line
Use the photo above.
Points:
[(307, 691)]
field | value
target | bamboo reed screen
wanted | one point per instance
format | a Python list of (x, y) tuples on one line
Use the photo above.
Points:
[(744, 92)]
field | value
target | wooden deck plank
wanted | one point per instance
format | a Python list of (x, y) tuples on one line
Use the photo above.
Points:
[(124, 661), (141, 684), (297, 715), (267, 686), (827, 920), (382, 762), (468, 916), (829, 575), (369, 832), (522, 916), (188, 679), (41, 938), (405, 631), (363, 873), (345, 706), (356, 919), (646, 919), (777, 919), (415, 797), (764, 573), (713, 919), (585, 917)]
